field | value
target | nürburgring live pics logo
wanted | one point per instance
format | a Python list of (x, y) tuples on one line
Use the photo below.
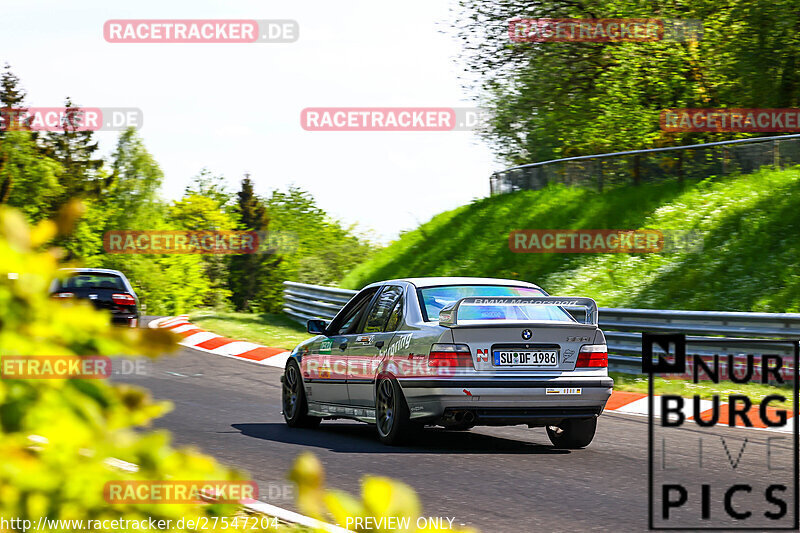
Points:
[(704, 472)]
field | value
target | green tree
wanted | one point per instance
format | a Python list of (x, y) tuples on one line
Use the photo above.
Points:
[(28, 180), (212, 186), (551, 100), (134, 183), (75, 149), (11, 94), (247, 270), (303, 244), (58, 437), (254, 215), (131, 200), (322, 249), (132, 203), (196, 212)]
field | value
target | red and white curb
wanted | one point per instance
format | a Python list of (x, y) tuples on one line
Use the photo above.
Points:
[(200, 339), (635, 403)]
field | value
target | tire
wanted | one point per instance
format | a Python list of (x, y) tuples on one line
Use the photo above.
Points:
[(573, 433), (293, 399), (392, 417)]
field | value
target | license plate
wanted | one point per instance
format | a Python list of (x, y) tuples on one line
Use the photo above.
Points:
[(526, 358)]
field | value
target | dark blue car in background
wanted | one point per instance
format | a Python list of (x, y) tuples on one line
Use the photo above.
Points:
[(108, 290)]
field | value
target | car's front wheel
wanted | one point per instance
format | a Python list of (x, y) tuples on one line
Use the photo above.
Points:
[(295, 407), (573, 433), (391, 413)]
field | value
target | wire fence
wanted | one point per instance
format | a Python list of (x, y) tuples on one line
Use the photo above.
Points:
[(691, 162)]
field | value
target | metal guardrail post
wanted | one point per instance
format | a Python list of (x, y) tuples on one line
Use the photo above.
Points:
[(776, 158), (599, 175)]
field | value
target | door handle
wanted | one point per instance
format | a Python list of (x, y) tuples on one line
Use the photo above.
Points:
[(343, 346), (379, 344)]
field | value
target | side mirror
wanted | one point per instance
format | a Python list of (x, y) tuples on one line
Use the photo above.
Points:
[(316, 326)]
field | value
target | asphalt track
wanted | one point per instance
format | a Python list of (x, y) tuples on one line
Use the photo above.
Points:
[(496, 479)]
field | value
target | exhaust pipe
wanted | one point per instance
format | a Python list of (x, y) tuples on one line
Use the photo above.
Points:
[(459, 419)]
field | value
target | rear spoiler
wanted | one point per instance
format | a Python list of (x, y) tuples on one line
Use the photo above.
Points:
[(448, 316)]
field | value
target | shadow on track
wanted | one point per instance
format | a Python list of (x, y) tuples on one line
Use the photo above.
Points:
[(360, 438)]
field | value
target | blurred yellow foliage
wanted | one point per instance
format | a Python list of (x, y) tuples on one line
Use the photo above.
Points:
[(58, 436), (381, 499)]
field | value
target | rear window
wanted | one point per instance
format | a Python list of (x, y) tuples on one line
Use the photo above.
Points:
[(80, 280), (434, 299)]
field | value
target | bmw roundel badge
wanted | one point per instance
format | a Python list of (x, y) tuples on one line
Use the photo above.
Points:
[(527, 334)]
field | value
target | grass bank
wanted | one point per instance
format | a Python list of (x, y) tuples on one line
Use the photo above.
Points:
[(273, 330), (749, 226)]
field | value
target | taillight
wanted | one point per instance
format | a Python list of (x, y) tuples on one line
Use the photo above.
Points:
[(450, 355), (63, 295), (123, 299), (593, 356)]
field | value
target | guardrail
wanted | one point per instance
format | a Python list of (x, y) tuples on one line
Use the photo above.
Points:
[(618, 169), (623, 327), (303, 302)]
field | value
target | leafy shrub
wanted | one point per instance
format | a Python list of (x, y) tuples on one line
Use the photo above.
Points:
[(58, 435), (381, 498)]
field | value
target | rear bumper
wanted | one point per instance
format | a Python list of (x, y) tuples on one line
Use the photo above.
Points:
[(505, 402), (125, 319), (450, 383), (534, 416)]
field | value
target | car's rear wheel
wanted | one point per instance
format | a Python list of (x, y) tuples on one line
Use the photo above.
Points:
[(573, 433), (391, 413), (295, 407)]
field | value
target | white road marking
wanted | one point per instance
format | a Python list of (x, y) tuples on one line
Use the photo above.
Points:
[(290, 516)]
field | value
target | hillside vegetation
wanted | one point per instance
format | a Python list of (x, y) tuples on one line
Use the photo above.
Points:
[(749, 259)]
